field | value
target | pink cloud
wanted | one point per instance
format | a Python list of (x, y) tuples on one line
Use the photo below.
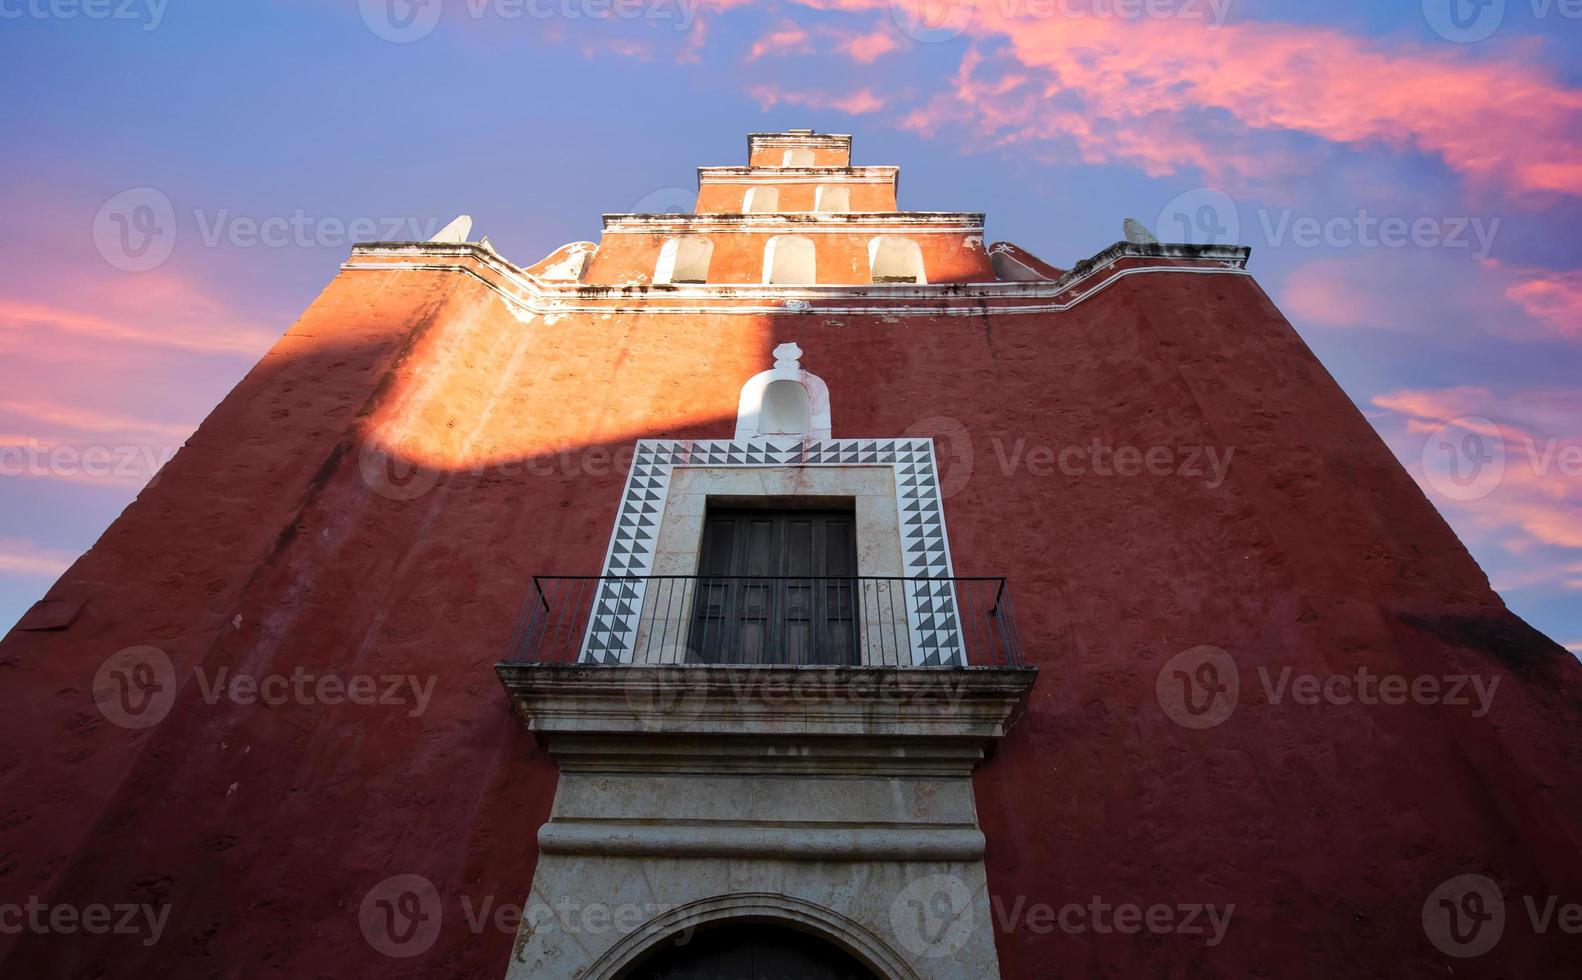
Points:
[(786, 39), (1535, 509), (853, 103), (1502, 121), (23, 559), (1552, 298), (868, 48), (158, 309), (88, 420), (792, 38), (1442, 292)]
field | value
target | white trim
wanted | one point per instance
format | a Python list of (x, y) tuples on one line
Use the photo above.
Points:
[(1009, 257), (797, 175), (772, 251), (534, 296), (878, 241), (804, 222), (670, 252), (777, 222), (749, 406), (750, 201), (821, 194), (933, 622), (665, 268)]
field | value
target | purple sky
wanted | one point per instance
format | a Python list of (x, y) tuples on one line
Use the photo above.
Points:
[(1409, 176)]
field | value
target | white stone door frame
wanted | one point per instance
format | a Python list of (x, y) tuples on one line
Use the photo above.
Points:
[(933, 620)]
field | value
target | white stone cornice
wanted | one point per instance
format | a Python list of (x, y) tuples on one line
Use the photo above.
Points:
[(717, 789), (798, 175), (531, 295), (800, 222), (878, 707), (825, 140), (782, 842)]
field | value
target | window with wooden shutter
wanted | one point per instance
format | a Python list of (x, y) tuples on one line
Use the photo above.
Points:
[(776, 587)]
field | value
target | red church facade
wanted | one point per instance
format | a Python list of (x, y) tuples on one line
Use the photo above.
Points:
[(1064, 623)]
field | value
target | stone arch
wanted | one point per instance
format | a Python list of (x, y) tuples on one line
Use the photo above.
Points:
[(761, 199), (832, 197), (784, 400), (790, 260), (684, 259), (763, 907), (893, 258)]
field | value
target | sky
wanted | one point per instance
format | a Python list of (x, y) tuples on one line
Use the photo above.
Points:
[(180, 178)]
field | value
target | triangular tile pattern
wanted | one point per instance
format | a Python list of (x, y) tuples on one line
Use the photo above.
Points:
[(931, 606)]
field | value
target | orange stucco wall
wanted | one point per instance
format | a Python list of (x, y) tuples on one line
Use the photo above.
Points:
[(721, 197), (840, 258), (773, 155)]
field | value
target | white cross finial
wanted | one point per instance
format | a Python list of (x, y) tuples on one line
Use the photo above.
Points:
[(788, 357)]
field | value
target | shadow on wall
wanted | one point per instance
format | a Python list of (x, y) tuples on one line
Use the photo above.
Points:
[(277, 691), (365, 512)]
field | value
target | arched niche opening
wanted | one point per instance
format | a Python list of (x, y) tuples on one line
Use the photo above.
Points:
[(784, 401), (801, 157), (832, 197), (686, 924), (748, 949), (759, 200), (894, 259), (789, 260), (786, 409), (684, 260)]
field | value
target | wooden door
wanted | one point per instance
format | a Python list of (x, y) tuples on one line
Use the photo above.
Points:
[(776, 587)]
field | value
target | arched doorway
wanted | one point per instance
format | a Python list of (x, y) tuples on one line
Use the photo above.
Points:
[(747, 951)]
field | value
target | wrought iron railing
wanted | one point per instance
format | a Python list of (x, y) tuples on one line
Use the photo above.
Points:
[(765, 620)]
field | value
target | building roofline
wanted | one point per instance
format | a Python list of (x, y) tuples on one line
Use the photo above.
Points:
[(793, 174), (807, 138), (532, 295), (849, 221)]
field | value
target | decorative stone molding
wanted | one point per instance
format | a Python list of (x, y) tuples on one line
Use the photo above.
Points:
[(879, 707), (788, 367), (934, 629), (798, 175), (532, 296), (838, 929), (712, 794), (800, 222)]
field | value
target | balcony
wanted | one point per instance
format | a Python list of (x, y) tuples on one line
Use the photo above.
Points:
[(786, 621), (736, 739), (888, 659)]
